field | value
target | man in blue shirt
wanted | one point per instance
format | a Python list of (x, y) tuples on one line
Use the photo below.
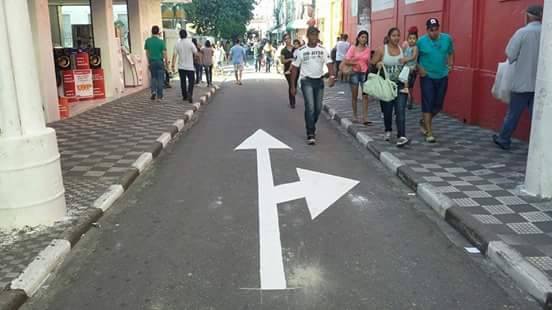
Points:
[(436, 52), (237, 54), (523, 54)]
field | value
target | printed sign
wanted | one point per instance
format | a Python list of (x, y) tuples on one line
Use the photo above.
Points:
[(84, 84), (380, 5)]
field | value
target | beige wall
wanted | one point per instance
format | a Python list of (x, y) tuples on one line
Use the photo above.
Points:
[(143, 14)]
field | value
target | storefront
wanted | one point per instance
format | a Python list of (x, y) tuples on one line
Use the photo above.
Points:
[(474, 26), (356, 17), (90, 51)]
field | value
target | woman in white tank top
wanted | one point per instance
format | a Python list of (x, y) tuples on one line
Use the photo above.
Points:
[(389, 56)]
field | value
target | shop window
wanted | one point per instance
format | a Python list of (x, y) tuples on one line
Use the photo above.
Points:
[(120, 18), (71, 24)]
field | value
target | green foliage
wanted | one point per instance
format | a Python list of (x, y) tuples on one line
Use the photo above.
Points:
[(220, 18)]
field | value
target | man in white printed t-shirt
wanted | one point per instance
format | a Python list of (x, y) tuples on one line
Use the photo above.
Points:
[(312, 58), (185, 50)]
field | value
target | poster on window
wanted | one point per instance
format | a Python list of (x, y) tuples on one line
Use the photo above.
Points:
[(380, 5), (363, 14), (84, 83)]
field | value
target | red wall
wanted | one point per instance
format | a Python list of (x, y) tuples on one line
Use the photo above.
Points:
[(349, 22), (480, 29)]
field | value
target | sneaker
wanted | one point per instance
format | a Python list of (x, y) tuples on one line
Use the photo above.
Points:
[(430, 139), (402, 141), (311, 140), (500, 144), (387, 136), (160, 99), (423, 130), (152, 97)]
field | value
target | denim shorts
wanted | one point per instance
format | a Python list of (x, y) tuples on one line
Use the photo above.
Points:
[(357, 78), (433, 94)]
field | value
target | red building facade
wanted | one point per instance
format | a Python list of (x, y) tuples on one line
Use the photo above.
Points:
[(480, 29), (356, 17)]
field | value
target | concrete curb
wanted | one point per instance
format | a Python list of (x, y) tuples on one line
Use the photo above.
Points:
[(30, 280), (40, 268), (143, 161), (74, 233), (524, 273), (527, 276), (390, 161)]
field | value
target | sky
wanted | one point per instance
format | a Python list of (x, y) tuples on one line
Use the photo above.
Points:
[(264, 8)]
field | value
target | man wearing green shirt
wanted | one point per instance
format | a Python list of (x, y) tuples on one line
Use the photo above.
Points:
[(156, 51), (436, 52)]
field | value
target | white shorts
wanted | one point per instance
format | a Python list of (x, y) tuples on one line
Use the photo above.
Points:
[(238, 67)]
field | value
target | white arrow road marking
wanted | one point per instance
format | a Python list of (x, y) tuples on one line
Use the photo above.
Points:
[(319, 190)]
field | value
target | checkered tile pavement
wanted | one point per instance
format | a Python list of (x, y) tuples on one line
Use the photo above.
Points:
[(96, 148), (466, 166)]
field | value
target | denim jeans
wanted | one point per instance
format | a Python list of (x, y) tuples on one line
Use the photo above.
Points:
[(258, 62), (399, 106), (209, 73), (313, 92), (199, 73), (518, 102), (187, 90), (157, 70), (268, 63)]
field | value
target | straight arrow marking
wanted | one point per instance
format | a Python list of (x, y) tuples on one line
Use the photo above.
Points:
[(319, 189)]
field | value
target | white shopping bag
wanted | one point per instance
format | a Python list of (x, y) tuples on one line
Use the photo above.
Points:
[(502, 86), (405, 73)]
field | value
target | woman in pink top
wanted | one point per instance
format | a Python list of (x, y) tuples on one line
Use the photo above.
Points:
[(358, 57)]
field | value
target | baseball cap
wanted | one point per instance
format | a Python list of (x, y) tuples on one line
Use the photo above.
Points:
[(535, 10), (432, 22), (312, 30)]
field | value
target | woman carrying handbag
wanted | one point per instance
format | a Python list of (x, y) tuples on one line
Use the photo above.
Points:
[(389, 58), (358, 58)]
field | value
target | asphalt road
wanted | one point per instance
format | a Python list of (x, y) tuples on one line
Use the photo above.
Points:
[(186, 236)]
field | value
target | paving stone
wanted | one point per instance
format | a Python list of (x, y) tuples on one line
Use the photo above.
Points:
[(467, 167), (96, 148)]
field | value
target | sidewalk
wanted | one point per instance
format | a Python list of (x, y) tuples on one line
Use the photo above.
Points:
[(102, 149), (473, 184)]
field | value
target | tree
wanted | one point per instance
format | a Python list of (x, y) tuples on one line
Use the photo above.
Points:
[(220, 18)]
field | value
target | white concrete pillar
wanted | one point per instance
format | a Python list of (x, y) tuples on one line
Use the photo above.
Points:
[(104, 38), (42, 38), (31, 186), (538, 179)]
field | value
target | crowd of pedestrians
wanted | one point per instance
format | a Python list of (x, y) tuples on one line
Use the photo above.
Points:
[(400, 60), (194, 61)]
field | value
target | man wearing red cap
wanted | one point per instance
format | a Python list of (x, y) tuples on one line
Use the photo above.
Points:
[(436, 55)]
